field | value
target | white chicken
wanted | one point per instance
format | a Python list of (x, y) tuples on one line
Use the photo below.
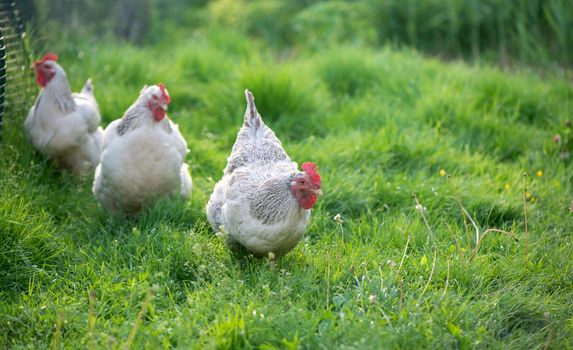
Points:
[(263, 202), (143, 156), (62, 125)]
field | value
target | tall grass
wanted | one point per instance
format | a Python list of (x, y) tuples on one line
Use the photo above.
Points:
[(527, 30), (530, 31)]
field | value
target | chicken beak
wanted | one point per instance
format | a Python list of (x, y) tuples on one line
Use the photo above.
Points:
[(163, 106), (318, 192)]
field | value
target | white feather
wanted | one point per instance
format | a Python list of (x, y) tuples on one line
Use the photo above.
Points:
[(253, 203), (65, 126), (141, 163)]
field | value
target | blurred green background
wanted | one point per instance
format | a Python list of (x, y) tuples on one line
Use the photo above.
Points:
[(531, 31)]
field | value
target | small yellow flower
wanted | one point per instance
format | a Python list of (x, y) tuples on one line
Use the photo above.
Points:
[(539, 173), (506, 187), (532, 199), (527, 194), (442, 172)]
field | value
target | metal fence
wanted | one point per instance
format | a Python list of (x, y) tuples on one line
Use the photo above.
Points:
[(16, 80), (2, 76)]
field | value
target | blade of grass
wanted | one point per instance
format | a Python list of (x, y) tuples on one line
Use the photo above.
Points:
[(137, 321)]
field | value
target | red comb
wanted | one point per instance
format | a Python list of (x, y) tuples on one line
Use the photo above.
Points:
[(164, 92), (311, 170), (47, 57), (50, 57)]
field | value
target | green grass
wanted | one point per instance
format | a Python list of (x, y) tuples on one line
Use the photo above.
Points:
[(501, 31), (381, 124)]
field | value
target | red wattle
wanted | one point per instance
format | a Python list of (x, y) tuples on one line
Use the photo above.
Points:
[(158, 114), (307, 202), (157, 111), (41, 79)]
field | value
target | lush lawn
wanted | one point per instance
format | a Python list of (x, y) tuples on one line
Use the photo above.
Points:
[(381, 125)]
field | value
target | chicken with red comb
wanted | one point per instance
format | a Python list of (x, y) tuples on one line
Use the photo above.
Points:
[(263, 202), (143, 156), (61, 124)]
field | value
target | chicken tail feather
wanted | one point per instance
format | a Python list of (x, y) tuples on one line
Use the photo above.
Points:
[(252, 117), (88, 87)]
